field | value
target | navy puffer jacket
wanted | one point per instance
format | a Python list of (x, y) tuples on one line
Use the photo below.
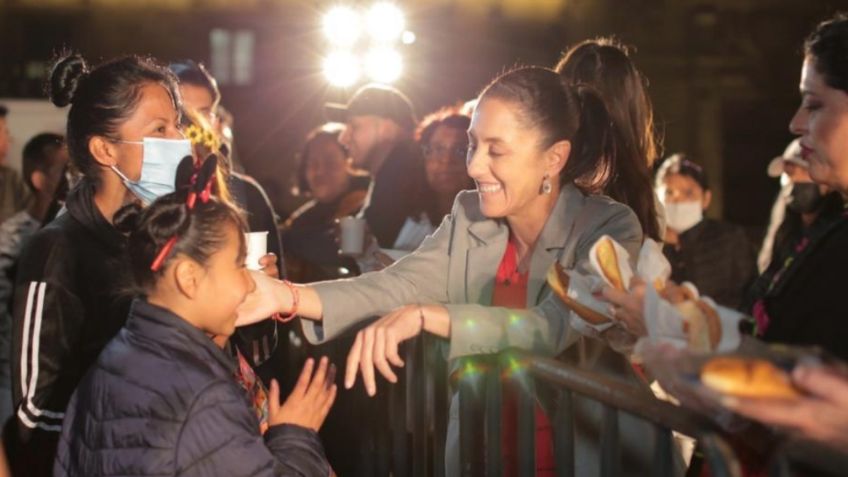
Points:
[(161, 400)]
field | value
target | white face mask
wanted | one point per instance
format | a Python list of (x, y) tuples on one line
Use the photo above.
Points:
[(159, 163), (682, 216)]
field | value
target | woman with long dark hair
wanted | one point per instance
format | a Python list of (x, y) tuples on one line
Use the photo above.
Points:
[(625, 173)]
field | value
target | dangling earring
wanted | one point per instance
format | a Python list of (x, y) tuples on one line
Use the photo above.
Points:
[(546, 185)]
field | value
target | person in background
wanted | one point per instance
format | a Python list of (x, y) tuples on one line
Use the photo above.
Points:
[(201, 96), (324, 174), (715, 256), (14, 195), (378, 135), (45, 160), (443, 139), (807, 209), (804, 205), (625, 175)]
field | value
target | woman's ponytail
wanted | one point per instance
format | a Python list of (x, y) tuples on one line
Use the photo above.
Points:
[(594, 139)]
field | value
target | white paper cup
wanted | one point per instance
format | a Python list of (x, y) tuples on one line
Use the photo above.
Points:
[(352, 235), (257, 247)]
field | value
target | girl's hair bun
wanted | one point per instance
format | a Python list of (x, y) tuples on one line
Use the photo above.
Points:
[(65, 76)]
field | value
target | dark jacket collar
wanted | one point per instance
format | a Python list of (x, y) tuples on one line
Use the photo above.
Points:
[(169, 330), (81, 207)]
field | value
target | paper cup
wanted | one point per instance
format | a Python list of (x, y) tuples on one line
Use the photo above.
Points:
[(257, 247), (352, 235)]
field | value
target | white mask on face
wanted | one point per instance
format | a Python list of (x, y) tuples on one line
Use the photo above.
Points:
[(159, 163), (682, 216)]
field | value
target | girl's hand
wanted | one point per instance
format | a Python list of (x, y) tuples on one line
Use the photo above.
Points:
[(269, 265), (310, 401), (270, 296), (377, 345)]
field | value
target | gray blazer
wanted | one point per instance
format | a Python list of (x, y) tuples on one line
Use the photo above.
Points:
[(456, 267)]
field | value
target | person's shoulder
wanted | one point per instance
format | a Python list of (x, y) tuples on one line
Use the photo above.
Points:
[(55, 250), (601, 208), (301, 213), (250, 185), (723, 228), (254, 197), (15, 230), (467, 206), (174, 371)]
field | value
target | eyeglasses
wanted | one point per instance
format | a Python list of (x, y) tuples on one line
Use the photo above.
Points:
[(431, 153)]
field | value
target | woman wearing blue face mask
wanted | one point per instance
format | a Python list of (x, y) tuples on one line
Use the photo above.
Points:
[(123, 137), (716, 256)]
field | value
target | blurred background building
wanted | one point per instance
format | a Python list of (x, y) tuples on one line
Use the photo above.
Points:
[(723, 73)]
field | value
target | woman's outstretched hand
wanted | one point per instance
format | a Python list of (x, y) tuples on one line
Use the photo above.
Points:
[(310, 401), (270, 296), (376, 346)]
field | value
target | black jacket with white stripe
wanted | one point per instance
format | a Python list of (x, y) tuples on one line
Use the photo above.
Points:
[(71, 298)]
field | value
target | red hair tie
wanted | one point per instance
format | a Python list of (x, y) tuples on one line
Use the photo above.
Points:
[(206, 171)]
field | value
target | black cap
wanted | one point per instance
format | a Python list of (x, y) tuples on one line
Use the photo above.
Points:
[(375, 100)]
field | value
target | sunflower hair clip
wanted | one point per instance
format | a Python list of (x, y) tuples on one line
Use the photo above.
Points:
[(201, 136)]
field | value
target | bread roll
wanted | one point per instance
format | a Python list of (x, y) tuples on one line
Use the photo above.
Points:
[(701, 325), (608, 260), (558, 280), (750, 378)]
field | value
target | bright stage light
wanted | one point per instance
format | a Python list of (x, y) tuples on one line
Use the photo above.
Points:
[(341, 69), (385, 22), (383, 65), (407, 38), (342, 26)]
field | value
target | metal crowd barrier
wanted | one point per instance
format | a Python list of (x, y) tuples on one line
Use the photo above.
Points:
[(426, 396)]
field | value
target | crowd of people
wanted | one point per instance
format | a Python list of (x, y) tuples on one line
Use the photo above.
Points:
[(136, 339)]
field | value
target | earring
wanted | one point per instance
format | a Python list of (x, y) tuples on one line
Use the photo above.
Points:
[(546, 185)]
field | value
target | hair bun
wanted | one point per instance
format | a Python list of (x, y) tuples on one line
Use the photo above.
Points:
[(127, 217), (65, 77)]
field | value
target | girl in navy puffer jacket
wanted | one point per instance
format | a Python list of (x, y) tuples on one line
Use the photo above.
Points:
[(161, 398)]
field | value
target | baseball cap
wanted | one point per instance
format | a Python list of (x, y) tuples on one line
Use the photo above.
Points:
[(792, 155), (375, 100)]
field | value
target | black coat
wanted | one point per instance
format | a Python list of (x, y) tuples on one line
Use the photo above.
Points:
[(807, 306), (395, 192), (717, 257), (161, 400), (68, 304)]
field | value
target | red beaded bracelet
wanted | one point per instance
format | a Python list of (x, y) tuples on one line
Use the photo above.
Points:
[(295, 303)]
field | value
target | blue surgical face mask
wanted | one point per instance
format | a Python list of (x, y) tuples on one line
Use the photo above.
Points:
[(159, 163)]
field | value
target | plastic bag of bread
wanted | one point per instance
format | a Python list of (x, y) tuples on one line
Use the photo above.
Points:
[(678, 316), (652, 266)]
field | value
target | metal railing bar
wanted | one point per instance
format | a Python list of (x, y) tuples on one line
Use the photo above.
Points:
[(610, 450), (563, 423), (526, 450), (620, 395)]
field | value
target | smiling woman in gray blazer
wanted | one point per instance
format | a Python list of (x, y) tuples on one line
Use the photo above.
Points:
[(531, 136)]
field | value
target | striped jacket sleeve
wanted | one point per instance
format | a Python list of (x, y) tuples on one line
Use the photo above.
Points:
[(47, 321)]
